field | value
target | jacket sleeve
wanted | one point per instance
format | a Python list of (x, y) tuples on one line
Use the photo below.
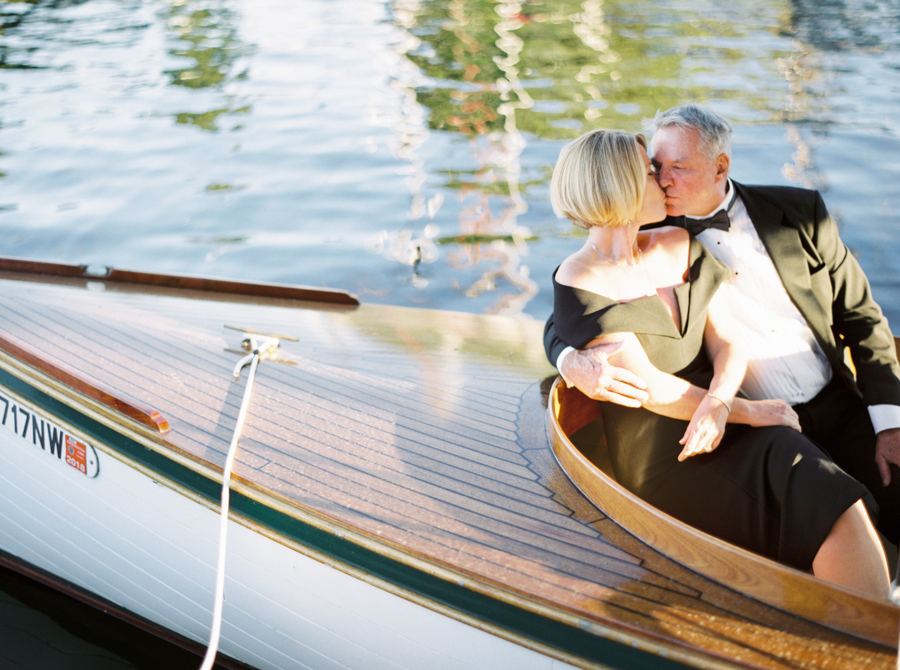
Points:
[(857, 320), (553, 346)]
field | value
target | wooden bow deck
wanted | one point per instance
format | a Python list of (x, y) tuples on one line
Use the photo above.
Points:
[(416, 436)]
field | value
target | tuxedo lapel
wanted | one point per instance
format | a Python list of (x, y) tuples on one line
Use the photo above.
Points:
[(785, 248)]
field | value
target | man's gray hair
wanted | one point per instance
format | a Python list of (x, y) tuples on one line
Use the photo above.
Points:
[(715, 131)]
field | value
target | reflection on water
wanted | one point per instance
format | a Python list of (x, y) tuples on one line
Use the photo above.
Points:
[(205, 36), (846, 25), (505, 74), (402, 150)]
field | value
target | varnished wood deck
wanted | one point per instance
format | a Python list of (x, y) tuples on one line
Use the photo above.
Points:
[(417, 434)]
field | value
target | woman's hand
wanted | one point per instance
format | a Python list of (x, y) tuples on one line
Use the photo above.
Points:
[(772, 413), (705, 430)]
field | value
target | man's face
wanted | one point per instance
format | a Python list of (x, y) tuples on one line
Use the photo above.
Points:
[(694, 185)]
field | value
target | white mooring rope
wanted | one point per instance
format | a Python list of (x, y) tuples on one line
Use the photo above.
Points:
[(267, 346)]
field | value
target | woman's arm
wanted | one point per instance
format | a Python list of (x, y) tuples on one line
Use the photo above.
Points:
[(715, 409), (676, 398)]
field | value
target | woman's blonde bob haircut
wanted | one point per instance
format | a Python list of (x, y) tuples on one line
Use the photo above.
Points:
[(599, 179)]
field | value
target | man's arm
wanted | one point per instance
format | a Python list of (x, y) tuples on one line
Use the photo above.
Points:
[(857, 318), (553, 346), (861, 323), (590, 371)]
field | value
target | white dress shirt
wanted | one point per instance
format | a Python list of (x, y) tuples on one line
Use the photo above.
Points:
[(784, 359)]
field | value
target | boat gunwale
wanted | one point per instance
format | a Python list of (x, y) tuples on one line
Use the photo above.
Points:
[(24, 269), (772, 583)]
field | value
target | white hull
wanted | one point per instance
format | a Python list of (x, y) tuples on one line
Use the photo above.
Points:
[(150, 548)]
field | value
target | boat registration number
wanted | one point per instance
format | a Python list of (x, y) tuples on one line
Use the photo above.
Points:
[(38, 431)]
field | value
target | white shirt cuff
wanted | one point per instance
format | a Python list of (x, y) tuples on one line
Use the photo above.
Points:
[(559, 361), (883, 417)]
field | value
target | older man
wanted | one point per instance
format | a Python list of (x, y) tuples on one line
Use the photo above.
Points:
[(800, 297)]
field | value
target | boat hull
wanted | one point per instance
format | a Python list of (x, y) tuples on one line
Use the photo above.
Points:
[(141, 541)]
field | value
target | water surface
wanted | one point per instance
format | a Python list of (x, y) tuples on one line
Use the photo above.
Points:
[(401, 150)]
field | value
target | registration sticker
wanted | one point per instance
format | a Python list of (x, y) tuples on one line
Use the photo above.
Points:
[(35, 431)]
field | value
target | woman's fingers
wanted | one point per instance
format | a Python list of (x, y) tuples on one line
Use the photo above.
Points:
[(702, 436)]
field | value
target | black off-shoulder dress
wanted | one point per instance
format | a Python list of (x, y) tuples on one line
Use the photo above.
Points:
[(770, 490)]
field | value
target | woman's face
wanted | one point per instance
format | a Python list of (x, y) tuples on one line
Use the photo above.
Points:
[(653, 208)]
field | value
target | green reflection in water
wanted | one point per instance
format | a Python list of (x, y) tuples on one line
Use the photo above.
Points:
[(581, 64), (206, 35), (485, 181), (9, 21), (224, 187), (207, 120), (505, 74), (478, 239)]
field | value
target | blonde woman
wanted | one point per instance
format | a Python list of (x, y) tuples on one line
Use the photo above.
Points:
[(652, 300)]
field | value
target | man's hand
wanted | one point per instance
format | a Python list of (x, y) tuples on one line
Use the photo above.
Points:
[(591, 372), (887, 450)]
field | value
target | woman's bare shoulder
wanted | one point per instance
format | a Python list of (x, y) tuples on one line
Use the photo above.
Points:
[(576, 271)]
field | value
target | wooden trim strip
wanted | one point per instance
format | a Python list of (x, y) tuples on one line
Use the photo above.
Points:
[(184, 282), (24, 265), (774, 584), (85, 384)]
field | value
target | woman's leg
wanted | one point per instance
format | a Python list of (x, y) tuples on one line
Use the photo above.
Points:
[(852, 555)]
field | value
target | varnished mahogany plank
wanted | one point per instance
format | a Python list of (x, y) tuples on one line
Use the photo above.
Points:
[(105, 356), (85, 384), (187, 282), (440, 482)]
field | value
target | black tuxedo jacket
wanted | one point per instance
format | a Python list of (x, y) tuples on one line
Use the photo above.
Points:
[(824, 281)]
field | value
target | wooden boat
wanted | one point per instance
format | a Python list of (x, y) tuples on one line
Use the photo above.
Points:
[(394, 502), (576, 431)]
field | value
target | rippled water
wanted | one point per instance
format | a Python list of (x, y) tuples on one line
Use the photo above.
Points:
[(401, 149)]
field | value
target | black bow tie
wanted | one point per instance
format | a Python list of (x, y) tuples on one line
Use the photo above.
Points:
[(718, 220)]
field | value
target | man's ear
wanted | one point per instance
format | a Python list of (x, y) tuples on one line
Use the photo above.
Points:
[(723, 163)]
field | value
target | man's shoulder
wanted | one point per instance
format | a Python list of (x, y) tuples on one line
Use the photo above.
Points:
[(777, 194), (800, 206)]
